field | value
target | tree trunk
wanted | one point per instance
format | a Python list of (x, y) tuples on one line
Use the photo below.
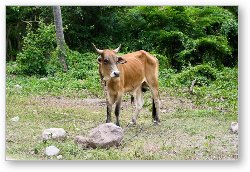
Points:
[(60, 36)]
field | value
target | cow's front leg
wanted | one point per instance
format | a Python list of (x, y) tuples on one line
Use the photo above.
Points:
[(110, 101), (109, 110), (117, 110)]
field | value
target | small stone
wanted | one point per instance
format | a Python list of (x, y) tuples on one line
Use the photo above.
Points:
[(164, 111), (15, 119), (51, 151), (18, 86), (234, 127), (54, 133), (43, 79), (59, 157)]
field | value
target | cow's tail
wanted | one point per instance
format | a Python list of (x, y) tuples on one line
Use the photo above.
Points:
[(144, 87), (132, 99)]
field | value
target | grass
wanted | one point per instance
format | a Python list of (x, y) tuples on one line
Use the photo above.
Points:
[(193, 127)]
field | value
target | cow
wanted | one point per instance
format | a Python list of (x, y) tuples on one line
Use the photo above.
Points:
[(130, 73)]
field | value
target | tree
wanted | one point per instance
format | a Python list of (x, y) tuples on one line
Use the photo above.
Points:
[(60, 37)]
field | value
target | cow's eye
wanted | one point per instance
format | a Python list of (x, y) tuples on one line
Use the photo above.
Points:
[(106, 61)]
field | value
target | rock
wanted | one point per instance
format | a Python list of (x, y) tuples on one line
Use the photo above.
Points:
[(103, 136), (59, 157), (164, 111), (54, 133), (18, 86), (15, 119), (234, 127), (81, 140), (51, 151)]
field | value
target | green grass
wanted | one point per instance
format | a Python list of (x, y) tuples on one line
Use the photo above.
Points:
[(193, 127)]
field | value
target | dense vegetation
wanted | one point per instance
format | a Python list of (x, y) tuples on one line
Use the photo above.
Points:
[(192, 44), (183, 35)]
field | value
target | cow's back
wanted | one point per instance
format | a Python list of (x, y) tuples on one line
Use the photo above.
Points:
[(133, 73)]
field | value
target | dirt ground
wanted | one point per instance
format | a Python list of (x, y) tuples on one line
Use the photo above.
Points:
[(181, 134)]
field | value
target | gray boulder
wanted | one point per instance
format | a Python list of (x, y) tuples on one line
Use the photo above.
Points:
[(104, 136), (81, 140), (54, 133)]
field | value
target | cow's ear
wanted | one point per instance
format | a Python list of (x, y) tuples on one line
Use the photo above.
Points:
[(99, 59), (121, 60)]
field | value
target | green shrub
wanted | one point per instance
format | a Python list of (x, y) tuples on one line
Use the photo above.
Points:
[(82, 66), (203, 74), (214, 50), (36, 50), (82, 73), (12, 68)]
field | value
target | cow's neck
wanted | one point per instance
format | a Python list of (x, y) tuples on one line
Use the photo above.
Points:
[(114, 84)]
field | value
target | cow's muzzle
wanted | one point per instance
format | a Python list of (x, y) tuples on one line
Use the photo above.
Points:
[(115, 74)]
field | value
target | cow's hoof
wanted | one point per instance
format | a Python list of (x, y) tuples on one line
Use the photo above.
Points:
[(133, 122), (156, 123)]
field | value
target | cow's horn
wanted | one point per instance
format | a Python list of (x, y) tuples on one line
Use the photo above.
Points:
[(117, 49), (97, 50)]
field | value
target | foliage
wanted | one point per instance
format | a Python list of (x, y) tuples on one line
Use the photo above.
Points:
[(184, 34), (213, 88), (222, 93), (213, 50), (203, 74), (81, 79), (37, 48), (17, 19)]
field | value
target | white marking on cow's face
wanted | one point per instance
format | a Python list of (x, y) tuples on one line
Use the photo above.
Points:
[(106, 78), (109, 62), (114, 71), (115, 74)]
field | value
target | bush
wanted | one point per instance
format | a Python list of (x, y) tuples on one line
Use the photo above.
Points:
[(213, 50), (12, 68), (83, 70), (36, 50), (204, 75), (82, 66)]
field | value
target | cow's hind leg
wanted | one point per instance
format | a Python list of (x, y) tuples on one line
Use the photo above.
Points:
[(138, 104), (153, 110), (156, 102), (155, 106)]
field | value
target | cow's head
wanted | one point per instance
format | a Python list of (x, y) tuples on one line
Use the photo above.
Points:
[(108, 61)]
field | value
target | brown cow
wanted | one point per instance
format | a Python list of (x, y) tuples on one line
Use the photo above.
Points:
[(129, 73)]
